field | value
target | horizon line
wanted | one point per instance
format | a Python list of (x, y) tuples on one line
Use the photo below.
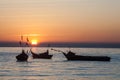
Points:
[(65, 44)]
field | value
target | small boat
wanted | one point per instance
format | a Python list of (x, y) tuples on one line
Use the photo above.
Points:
[(22, 57), (44, 55), (71, 56)]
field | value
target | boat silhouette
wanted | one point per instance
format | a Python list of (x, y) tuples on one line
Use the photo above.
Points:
[(72, 56), (22, 57), (44, 55)]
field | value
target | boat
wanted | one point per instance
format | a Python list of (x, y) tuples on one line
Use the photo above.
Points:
[(44, 55), (22, 57), (71, 56)]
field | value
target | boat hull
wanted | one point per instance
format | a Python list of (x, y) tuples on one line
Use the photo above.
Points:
[(44, 55), (72, 56), (88, 58), (21, 58), (38, 56)]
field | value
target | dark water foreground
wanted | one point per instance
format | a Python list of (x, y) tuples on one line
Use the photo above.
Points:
[(59, 68)]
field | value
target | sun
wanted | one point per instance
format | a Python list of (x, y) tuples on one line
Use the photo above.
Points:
[(34, 42)]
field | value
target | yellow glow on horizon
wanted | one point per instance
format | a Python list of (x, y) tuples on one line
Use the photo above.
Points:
[(34, 42)]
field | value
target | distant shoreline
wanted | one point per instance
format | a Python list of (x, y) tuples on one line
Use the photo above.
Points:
[(65, 44)]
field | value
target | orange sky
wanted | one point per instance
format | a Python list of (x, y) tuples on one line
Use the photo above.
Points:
[(60, 20)]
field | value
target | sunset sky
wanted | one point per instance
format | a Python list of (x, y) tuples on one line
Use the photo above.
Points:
[(60, 20)]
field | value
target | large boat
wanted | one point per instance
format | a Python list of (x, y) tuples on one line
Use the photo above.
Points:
[(22, 57), (71, 56), (44, 55)]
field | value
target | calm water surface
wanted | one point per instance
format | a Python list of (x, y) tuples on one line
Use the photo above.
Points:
[(58, 68)]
